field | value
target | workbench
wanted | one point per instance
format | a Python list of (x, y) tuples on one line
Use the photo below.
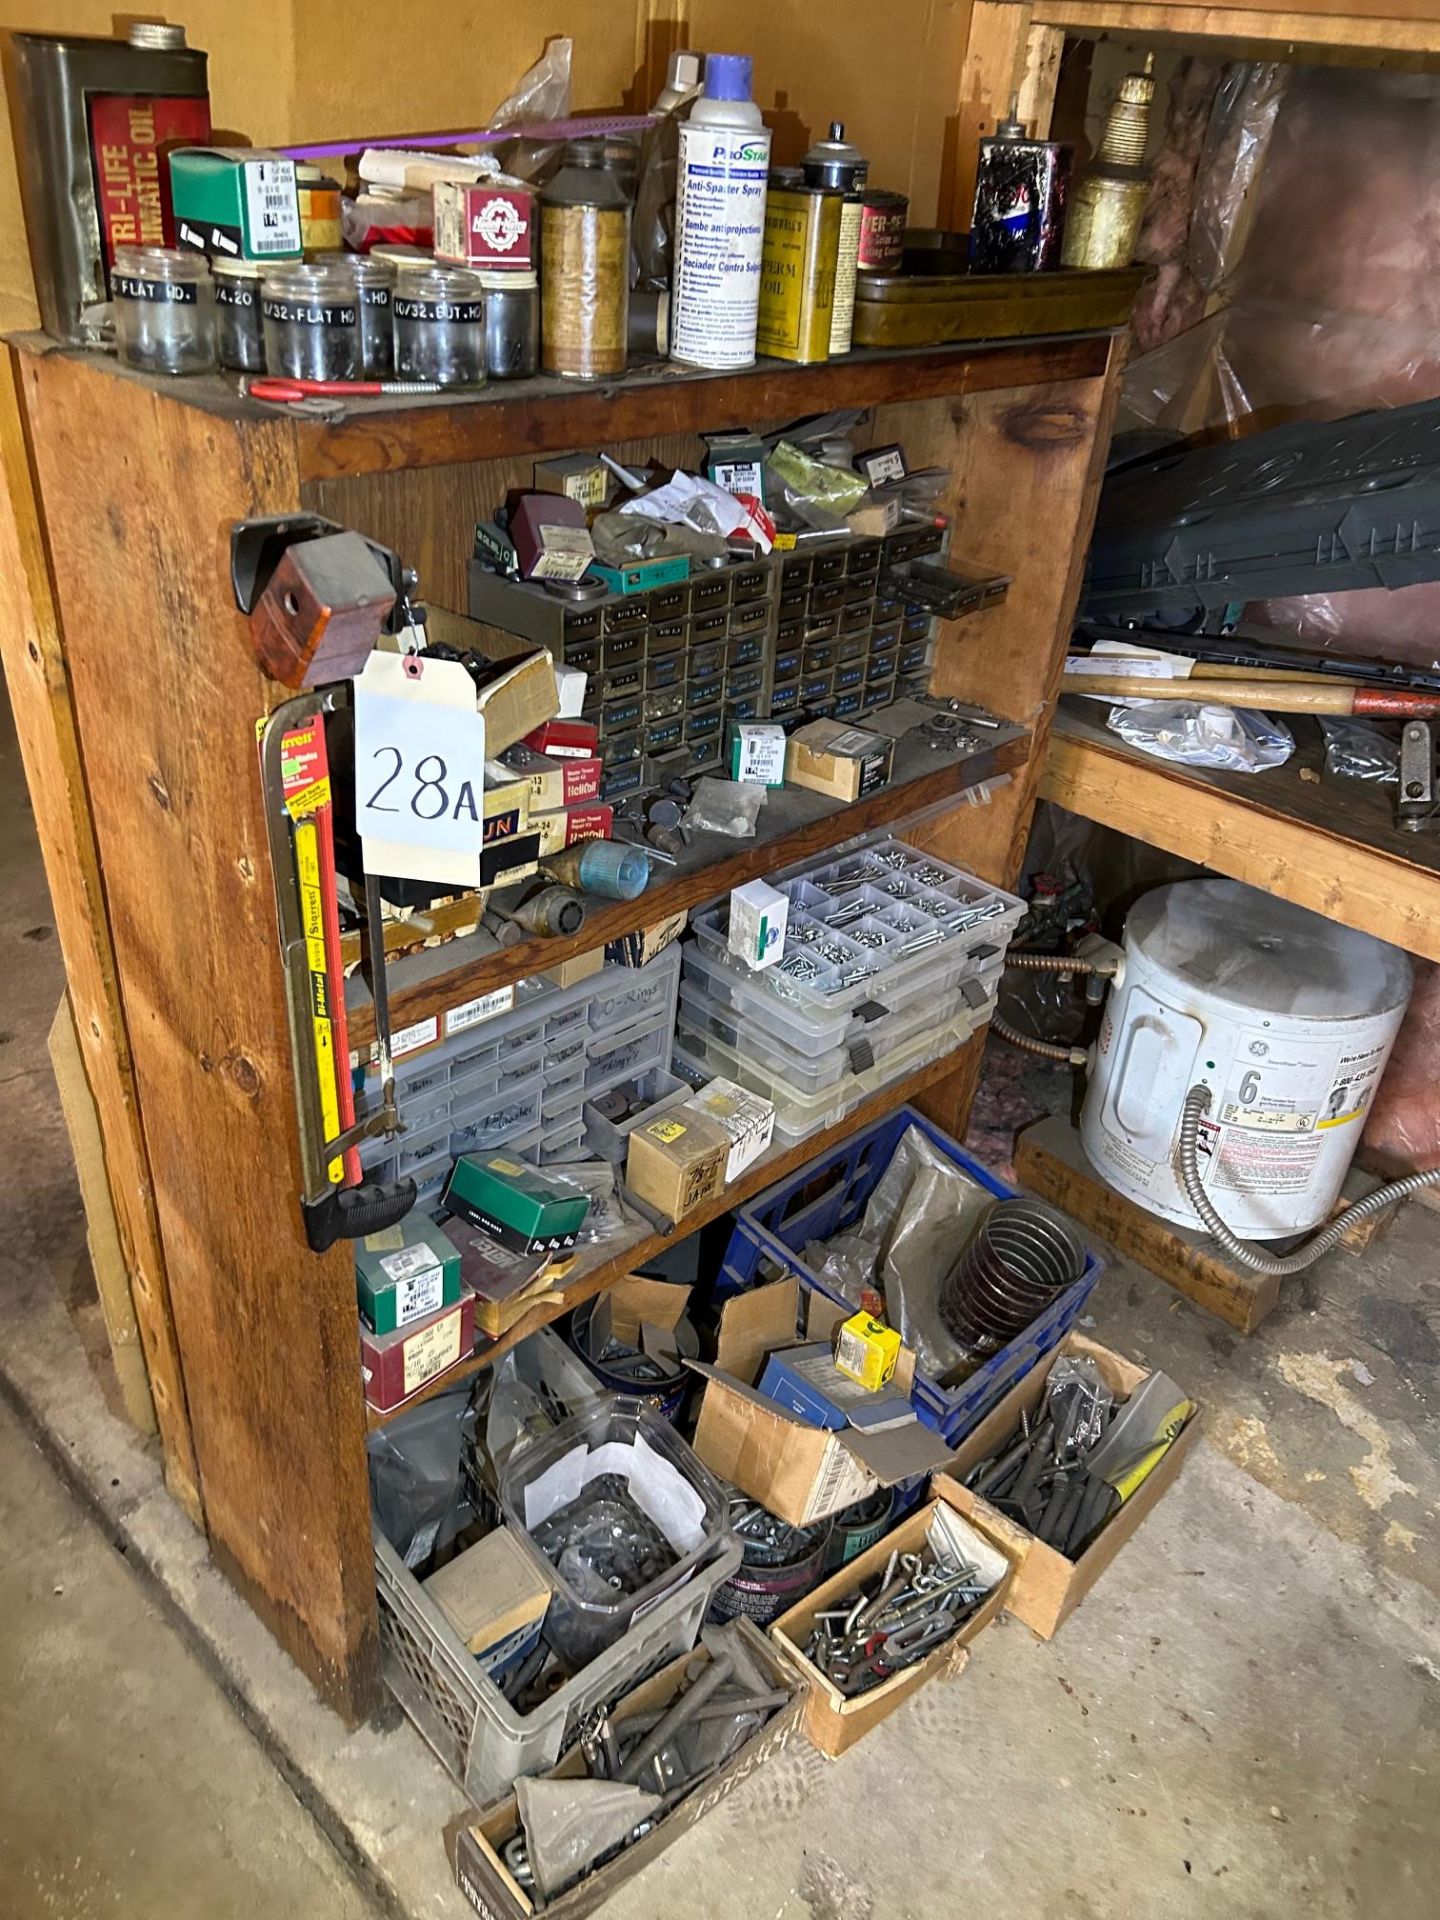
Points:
[(137, 695)]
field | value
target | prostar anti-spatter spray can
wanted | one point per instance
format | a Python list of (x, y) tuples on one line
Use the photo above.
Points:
[(719, 221)]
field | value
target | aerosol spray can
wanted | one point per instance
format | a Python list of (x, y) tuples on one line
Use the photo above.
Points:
[(835, 163), (719, 220), (1020, 193)]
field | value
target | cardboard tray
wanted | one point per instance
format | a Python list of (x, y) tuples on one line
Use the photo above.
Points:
[(1047, 1587), (833, 1723), (476, 1846)]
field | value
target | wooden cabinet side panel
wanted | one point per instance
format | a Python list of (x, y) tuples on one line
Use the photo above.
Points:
[(140, 494), (1025, 468), (40, 698)]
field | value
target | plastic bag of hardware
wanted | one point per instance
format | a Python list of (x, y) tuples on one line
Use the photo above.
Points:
[(1361, 750), (607, 1216), (807, 482), (417, 1491), (569, 1824), (847, 1263), (922, 1212), (536, 1386), (730, 807), (1079, 1402), (1198, 735)]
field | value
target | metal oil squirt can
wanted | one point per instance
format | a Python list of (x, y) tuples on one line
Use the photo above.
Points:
[(1107, 206), (1020, 193)]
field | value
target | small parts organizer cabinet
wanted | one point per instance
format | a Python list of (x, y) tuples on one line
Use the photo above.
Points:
[(136, 696)]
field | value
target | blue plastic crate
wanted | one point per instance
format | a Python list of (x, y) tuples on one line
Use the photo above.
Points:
[(828, 1196)]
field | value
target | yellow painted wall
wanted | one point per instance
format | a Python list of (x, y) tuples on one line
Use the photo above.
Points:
[(296, 69)]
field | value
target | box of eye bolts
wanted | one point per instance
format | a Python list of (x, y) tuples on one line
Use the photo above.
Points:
[(836, 1715)]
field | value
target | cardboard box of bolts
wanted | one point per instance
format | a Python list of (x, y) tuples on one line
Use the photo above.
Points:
[(834, 1719), (1048, 1586), (477, 1844)]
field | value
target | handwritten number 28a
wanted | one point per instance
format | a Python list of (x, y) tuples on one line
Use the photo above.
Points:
[(430, 799)]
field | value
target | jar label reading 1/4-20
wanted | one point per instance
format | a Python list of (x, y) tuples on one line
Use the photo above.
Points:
[(301, 313), (166, 293), (460, 312), (228, 295)]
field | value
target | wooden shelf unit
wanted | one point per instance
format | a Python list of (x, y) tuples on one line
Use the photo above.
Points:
[(1331, 846), (137, 694)]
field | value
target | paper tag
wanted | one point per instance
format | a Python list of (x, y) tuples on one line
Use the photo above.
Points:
[(668, 1131), (1128, 666), (408, 1261), (271, 206), (472, 1012), (419, 769), (422, 1294), (430, 1351), (386, 1241)]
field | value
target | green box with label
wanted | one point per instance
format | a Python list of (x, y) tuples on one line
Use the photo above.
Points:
[(405, 1274), (235, 203), (520, 1206)]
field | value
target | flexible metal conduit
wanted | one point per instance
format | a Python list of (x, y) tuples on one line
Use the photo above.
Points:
[(1197, 1103)]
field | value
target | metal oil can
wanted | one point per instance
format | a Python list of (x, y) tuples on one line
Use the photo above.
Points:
[(797, 268), (95, 120)]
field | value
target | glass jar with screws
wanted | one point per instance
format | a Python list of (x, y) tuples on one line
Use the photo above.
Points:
[(512, 325), (374, 280), (311, 319), (440, 327), (164, 310), (239, 335)]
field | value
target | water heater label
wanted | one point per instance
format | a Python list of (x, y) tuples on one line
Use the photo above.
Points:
[(1260, 1163), (1353, 1086), (1277, 1085)]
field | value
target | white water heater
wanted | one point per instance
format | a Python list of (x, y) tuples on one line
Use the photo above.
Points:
[(1286, 1017)]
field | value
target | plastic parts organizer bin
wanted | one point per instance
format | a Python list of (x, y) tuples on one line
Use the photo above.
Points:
[(525, 1070), (581, 1625), (779, 1223), (480, 1739), (882, 924), (698, 1057)]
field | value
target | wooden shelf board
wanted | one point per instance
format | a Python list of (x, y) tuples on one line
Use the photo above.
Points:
[(1328, 844), (793, 824), (615, 1263), (549, 415)]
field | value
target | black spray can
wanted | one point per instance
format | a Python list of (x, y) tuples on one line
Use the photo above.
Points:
[(1020, 192)]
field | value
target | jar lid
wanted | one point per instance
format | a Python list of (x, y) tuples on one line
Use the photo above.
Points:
[(502, 282), (309, 277), (162, 263), (365, 269), (234, 269), (459, 283)]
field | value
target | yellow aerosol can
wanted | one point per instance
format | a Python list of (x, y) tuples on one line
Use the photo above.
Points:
[(1107, 206)]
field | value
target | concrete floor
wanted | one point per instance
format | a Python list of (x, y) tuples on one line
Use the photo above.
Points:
[(1244, 1718)]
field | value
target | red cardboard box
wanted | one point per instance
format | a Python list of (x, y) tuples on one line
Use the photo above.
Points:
[(484, 226), (569, 825), (566, 739), (395, 1365)]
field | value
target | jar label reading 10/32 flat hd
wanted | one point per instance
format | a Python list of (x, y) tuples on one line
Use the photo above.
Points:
[(165, 293), (302, 313)]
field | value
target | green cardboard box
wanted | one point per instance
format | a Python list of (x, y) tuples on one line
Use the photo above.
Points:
[(235, 203), (518, 1205), (405, 1273)]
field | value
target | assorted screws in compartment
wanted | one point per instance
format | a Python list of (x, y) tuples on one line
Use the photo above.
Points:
[(894, 1620)]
